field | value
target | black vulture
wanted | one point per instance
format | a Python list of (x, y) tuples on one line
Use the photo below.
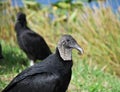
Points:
[(30, 42), (89, 1), (1, 56), (53, 74)]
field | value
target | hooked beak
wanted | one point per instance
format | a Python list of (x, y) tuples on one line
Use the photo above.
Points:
[(78, 48)]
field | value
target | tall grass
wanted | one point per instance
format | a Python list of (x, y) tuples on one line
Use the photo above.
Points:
[(97, 31)]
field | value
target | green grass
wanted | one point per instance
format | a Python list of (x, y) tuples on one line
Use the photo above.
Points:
[(85, 78), (13, 63)]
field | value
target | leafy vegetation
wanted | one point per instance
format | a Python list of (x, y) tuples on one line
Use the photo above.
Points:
[(97, 31)]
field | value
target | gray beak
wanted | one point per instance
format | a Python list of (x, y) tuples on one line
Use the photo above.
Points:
[(78, 48)]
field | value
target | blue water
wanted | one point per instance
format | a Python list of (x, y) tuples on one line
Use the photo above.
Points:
[(114, 4), (45, 2)]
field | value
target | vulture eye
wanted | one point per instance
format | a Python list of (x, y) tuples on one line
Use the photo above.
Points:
[(68, 40)]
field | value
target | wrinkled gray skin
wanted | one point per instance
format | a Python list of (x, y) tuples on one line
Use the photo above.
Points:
[(65, 46)]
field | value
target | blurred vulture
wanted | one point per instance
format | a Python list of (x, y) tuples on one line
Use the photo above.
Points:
[(89, 0), (53, 74), (30, 42), (1, 56)]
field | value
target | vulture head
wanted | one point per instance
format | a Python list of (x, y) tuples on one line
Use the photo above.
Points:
[(21, 17), (65, 46)]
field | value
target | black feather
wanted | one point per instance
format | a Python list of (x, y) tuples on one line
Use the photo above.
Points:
[(30, 42), (89, 1), (1, 56)]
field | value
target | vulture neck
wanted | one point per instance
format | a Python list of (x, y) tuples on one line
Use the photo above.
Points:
[(20, 25), (65, 54), (68, 63)]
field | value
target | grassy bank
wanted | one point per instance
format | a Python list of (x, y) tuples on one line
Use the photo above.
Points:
[(84, 78), (97, 31)]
